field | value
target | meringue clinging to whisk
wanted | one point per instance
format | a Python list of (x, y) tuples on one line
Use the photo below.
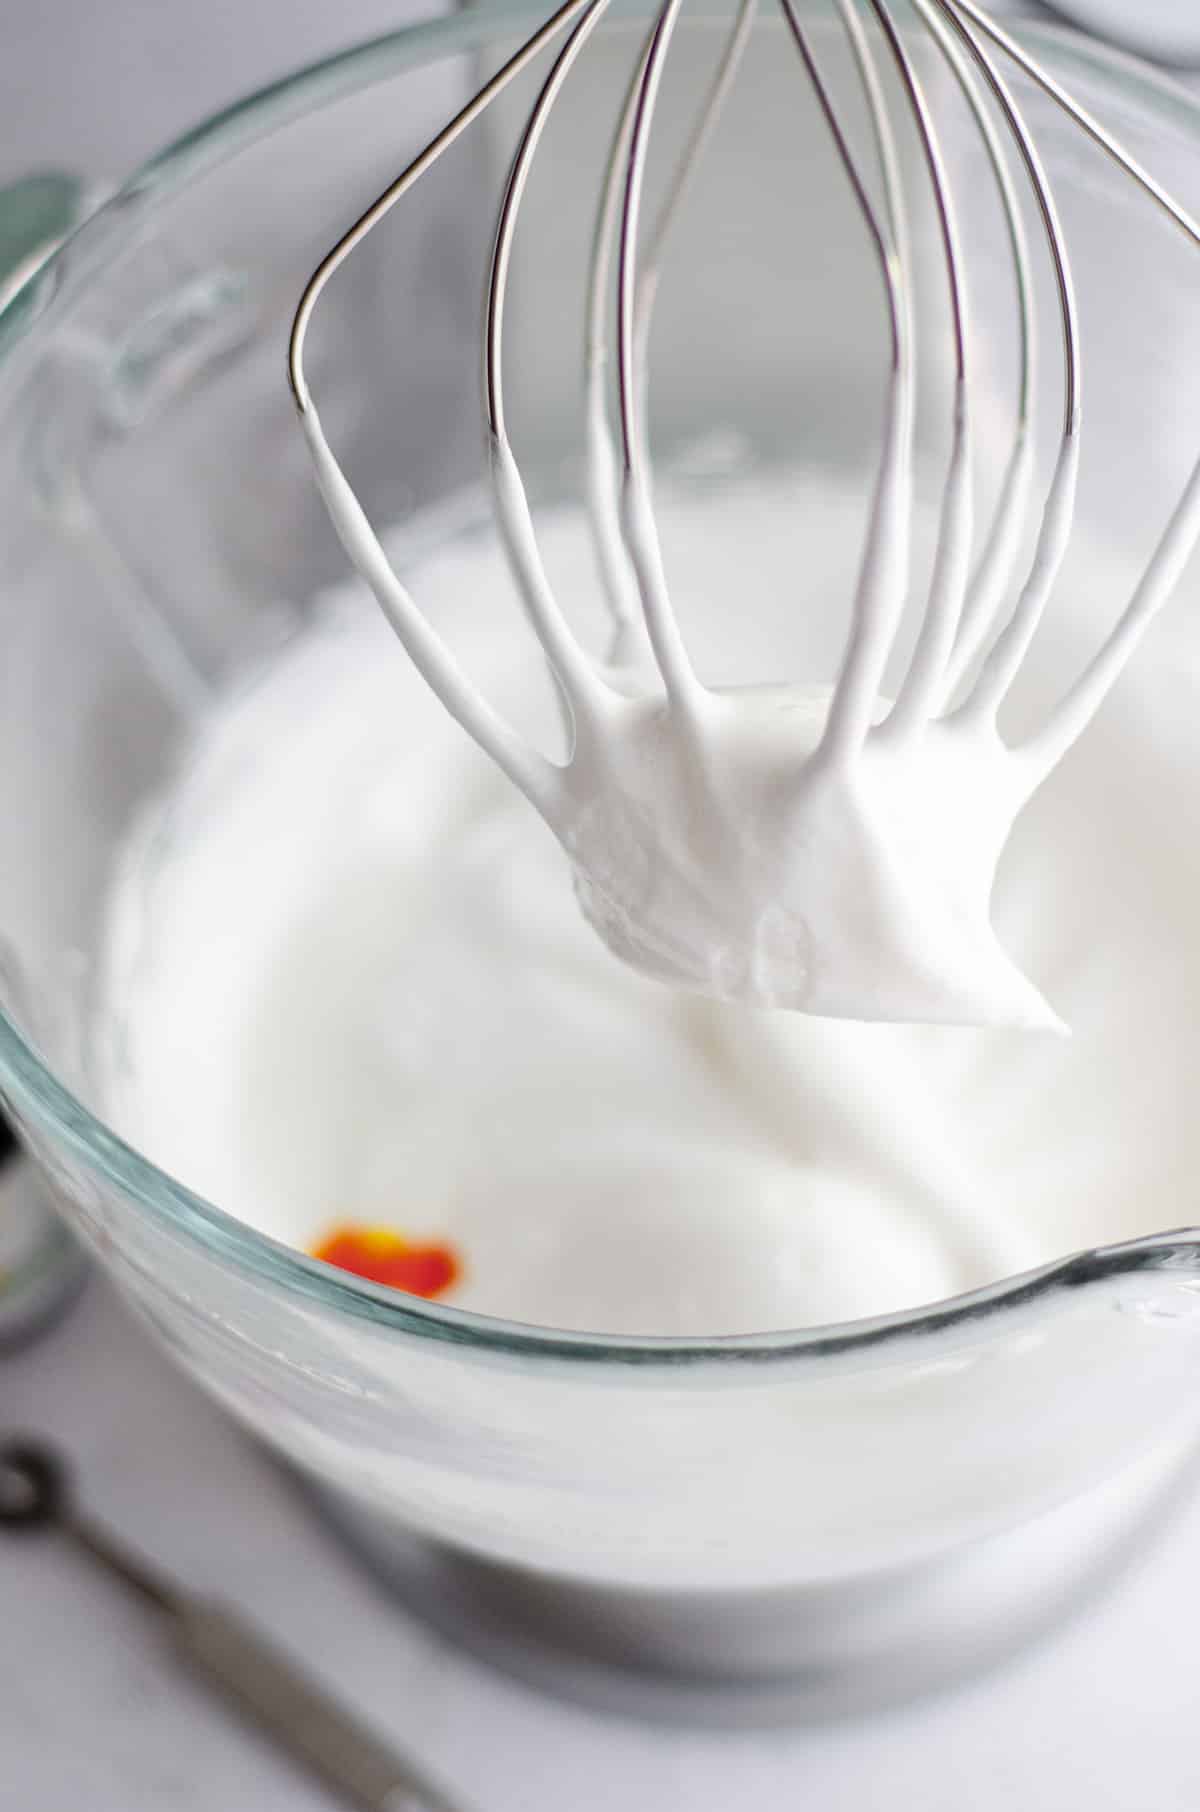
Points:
[(827, 849)]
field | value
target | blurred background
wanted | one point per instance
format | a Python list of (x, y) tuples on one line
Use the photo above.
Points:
[(105, 85)]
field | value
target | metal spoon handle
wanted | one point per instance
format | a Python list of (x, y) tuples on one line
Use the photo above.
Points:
[(296, 1713)]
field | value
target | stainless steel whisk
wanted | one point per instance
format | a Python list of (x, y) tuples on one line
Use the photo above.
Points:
[(850, 872)]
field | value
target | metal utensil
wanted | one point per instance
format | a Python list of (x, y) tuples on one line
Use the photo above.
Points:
[(297, 1714), (703, 854)]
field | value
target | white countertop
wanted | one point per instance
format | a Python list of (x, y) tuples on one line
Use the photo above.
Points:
[(95, 1718)]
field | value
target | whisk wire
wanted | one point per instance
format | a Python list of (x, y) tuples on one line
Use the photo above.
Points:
[(1075, 711), (408, 177), (1179, 540), (540, 780), (581, 684), (604, 493), (1100, 136), (683, 689), (947, 595), (972, 637), (1002, 543), (884, 568), (1003, 661), (618, 579)]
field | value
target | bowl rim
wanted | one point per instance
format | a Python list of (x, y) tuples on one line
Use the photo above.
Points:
[(57, 1118)]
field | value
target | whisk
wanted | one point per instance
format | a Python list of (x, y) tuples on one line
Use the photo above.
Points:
[(824, 849)]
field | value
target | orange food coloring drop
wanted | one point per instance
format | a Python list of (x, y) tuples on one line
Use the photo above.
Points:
[(383, 1256)]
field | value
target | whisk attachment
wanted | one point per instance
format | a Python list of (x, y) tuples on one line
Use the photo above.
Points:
[(828, 849)]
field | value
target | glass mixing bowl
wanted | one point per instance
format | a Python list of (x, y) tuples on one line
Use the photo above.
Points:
[(789, 1523)]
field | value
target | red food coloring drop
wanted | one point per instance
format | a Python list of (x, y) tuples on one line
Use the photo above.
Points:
[(383, 1256)]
